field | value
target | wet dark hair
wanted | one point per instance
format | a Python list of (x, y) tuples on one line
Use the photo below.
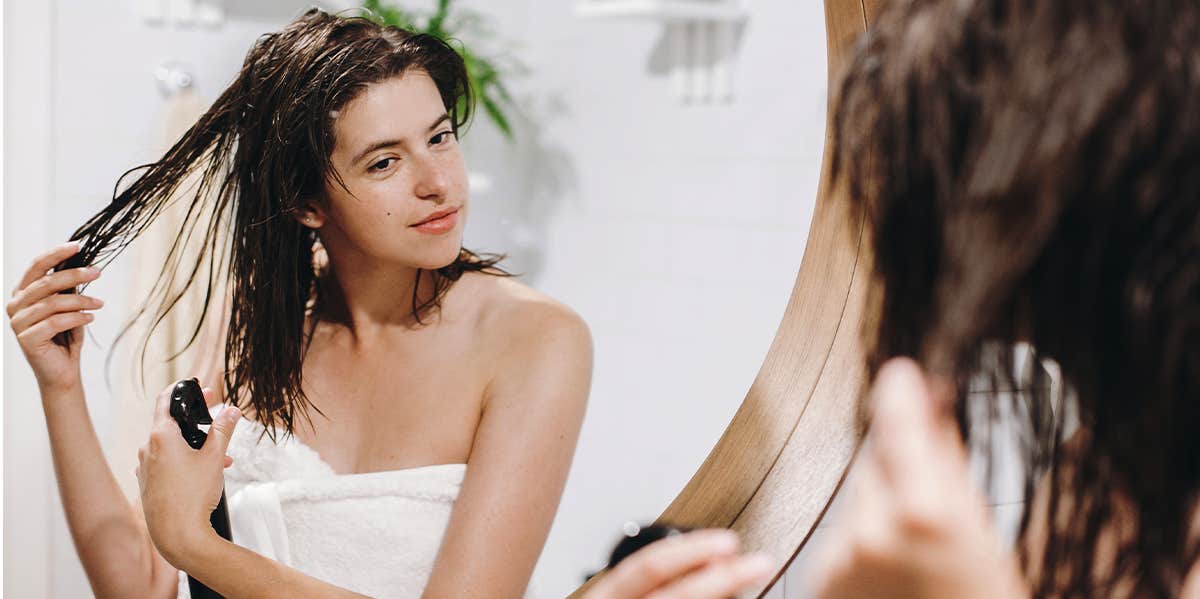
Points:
[(1030, 171), (252, 159)]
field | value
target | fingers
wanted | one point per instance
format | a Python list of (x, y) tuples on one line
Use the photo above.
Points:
[(667, 560), (915, 458), (724, 578), (222, 430), (55, 304), (902, 427), (162, 405), (45, 262), (43, 331), (913, 495), (871, 502), (49, 285), (142, 452), (868, 500)]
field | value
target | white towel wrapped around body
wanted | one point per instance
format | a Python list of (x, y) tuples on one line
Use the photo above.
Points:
[(376, 533)]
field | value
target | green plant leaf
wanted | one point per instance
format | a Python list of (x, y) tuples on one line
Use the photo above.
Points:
[(483, 75), (497, 116), (438, 19), (388, 15), (503, 91)]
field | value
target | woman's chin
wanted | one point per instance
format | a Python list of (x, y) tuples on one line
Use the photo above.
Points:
[(439, 259)]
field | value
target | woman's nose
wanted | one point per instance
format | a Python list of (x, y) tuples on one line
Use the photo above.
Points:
[(432, 180)]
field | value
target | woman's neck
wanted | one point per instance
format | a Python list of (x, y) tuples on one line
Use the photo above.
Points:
[(368, 298)]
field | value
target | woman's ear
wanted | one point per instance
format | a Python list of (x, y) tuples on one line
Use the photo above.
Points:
[(310, 214)]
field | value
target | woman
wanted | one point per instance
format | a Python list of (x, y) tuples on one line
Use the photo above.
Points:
[(378, 363), (1031, 174)]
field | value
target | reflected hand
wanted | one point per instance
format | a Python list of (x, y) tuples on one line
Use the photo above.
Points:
[(704, 564), (38, 312), (181, 486), (918, 525)]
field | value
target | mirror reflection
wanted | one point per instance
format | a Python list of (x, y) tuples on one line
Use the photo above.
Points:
[(492, 332)]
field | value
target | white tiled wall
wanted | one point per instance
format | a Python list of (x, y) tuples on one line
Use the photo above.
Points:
[(676, 230)]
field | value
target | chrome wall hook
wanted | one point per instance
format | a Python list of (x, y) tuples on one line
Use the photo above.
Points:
[(172, 77)]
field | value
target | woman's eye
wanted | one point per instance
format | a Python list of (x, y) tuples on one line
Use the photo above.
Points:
[(382, 164), (441, 138)]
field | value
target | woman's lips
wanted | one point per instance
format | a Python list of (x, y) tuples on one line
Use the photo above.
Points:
[(438, 224)]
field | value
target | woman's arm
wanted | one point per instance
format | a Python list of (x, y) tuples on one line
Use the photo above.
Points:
[(107, 530), (236, 572), (180, 487), (518, 465)]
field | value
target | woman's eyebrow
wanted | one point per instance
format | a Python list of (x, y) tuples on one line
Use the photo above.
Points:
[(441, 119), (395, 142), (376, 146)]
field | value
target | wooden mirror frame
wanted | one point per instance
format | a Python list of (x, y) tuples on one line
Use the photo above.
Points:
[(779, 464)]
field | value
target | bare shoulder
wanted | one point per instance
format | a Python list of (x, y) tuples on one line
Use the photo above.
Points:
[(514, 314), (528, 334)]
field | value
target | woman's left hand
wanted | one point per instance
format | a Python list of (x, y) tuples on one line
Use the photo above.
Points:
[(702, 564), (181, 486), (918, 526)]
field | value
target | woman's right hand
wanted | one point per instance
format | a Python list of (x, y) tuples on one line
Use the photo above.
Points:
[(38, 312), (704, 564)]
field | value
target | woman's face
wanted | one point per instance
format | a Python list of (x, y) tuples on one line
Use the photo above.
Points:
[(398, 156)]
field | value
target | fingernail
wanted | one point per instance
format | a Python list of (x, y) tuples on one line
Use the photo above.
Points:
[(89, 316), (74, 245), (99, 302), (93, 271)]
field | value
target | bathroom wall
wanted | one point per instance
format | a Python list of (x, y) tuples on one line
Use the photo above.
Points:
[(675, 229), (27, 540)]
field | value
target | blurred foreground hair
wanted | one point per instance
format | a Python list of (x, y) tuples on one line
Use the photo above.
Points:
[(1031, 173)]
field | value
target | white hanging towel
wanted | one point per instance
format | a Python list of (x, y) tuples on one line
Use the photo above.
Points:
[(133, 402)]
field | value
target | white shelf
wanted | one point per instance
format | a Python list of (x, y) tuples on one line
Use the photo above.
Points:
[(182, 13), (700, 36), (666, 10)]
